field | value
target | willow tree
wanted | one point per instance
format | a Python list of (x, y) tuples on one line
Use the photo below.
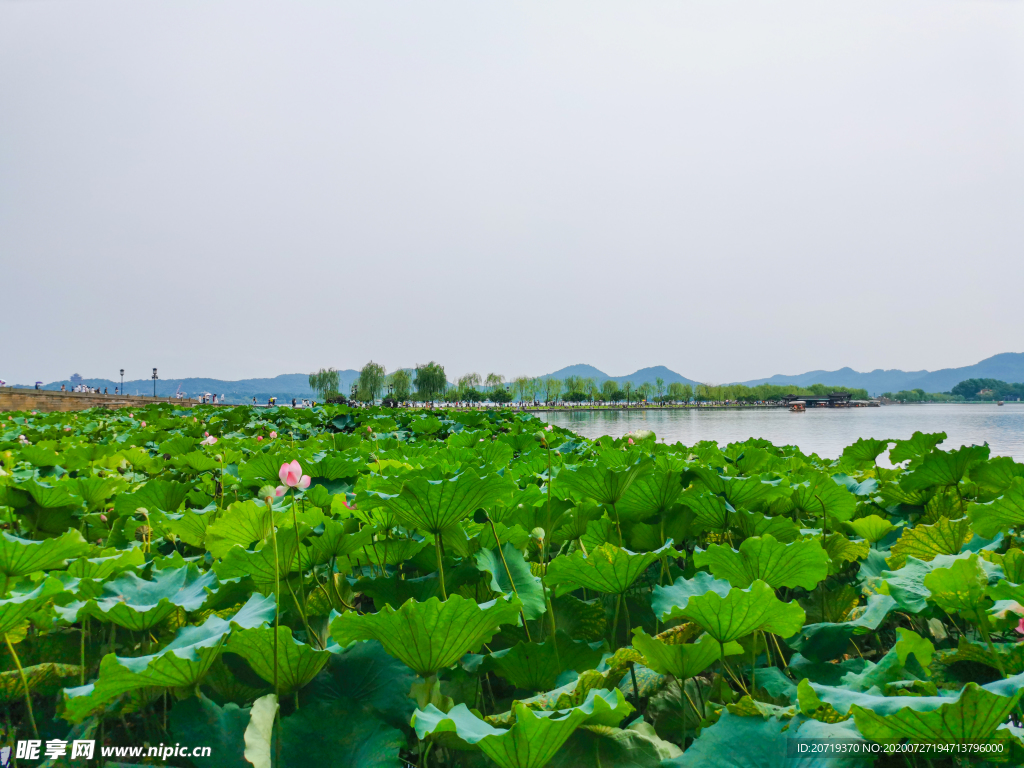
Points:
[(430, 381), (371, 381), (522, 384), (494, 381), (551, 389), (401, 384), (325, 383)]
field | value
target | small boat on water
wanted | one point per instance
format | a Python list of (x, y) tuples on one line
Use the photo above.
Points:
[(797, 406), (1000, 402)]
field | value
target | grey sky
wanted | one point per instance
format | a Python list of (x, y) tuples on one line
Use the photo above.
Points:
[(731, 189)]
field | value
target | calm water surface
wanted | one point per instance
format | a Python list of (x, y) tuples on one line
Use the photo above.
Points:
[(824, 431)]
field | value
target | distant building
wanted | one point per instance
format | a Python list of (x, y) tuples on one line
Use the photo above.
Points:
[(983, 392), (831, 400)]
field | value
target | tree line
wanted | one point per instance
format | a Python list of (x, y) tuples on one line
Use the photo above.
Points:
[(969, 390), (429, 383)]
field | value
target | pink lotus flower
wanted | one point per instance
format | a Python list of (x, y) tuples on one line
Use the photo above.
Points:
[(131, 415), (291, 475), (103, 518), (631, 441), (210, 440), (1020, 627), (206, 434), (273, 435), (258, 438), (548, 428)]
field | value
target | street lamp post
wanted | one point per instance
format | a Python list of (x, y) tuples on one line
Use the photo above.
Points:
[(122, 382), (155, 377)]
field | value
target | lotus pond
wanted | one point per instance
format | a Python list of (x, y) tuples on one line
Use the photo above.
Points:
[(368, 587)]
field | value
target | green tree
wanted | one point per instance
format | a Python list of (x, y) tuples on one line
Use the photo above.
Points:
[(659, 384), (371, 381), (401, 384), (608, 389), (467, 387), (522, 385), (627, 388), (551, 389), (325, 383), (644, 390), (494, 382), (430, 381)]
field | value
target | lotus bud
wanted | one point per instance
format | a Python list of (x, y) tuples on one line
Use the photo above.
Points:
[(103, 518), (273, 435), (1020, 627), (631, 441), (259, 439), (218, 457)]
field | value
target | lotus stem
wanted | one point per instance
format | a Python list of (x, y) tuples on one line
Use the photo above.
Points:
[(81, 653), (686, 697), (24, 683), (509, 574), (615, 623), (277, 593), (440, 565), (298, 556), (983, 628)]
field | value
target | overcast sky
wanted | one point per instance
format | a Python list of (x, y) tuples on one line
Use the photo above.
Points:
[(731, 189)]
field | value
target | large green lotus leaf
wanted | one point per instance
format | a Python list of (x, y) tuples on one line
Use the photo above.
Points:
[(749, 492), (20, 557), (180, 664), (437, 505), (871, 528), (650, 494), (800, 564), (428, 636), (580, 620), (906, 585), (40, 454), (678, 595), (636, 746), (136, 604), (524, 584), (365, 676), (260, 564), (162, 495), (192, 525), (918, 445), (197, 720), (606, 568), (925, 542), (334, 542), (50, 496), (243, 523), (829, 640), (1000, 515), (603, 484), (973, 717), (750, 524), (995, 476), (535, 737), (1006, 590), (960, 587), (16, 609), (681, 660), (297, 663), (944, 469), (820, 495), (195, 462), (109, 563), (95, 490), (333, 734), (737, 741), (43, 680), (536, 666), (865, 451), (713, 512), (573, 524), (741, 612)]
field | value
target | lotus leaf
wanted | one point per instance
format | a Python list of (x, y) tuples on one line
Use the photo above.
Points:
[(606, 568), (432, 635), (297, 663), (524, 584), (800, 564), (535, 737), (681, 660), (537, 666), (740, 612)]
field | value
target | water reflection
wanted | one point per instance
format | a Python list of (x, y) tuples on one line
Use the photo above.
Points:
[(825, 431)]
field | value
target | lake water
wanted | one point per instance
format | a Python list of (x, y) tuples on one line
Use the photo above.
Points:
[(824, 431)]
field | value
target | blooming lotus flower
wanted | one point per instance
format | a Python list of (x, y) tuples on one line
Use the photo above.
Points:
[(258, 438), (548, 428), (210, 440), (291, 475), (273, 435)]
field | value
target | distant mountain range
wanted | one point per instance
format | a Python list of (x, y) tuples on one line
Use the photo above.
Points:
[(1008, 366)]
